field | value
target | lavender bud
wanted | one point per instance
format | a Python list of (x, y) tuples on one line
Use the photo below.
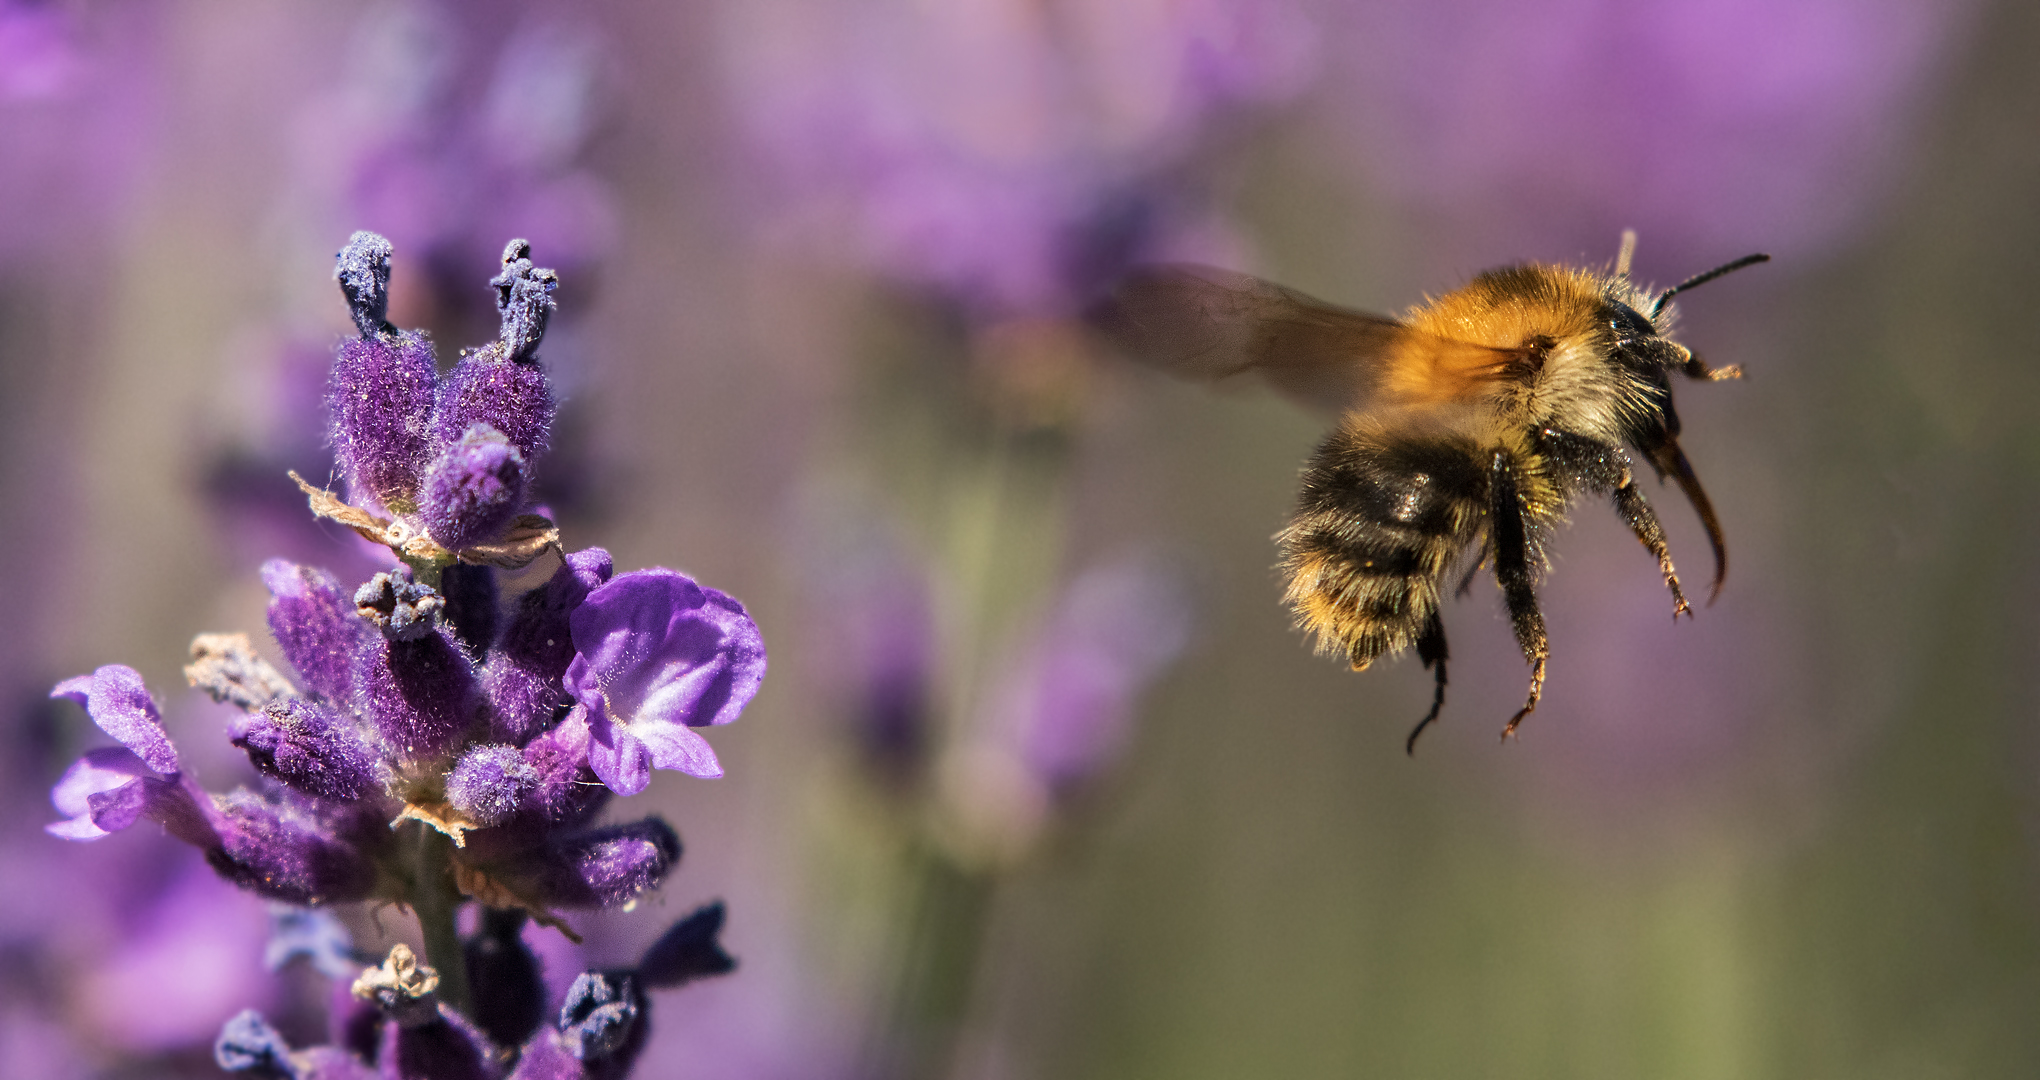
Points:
[(502, 384), (316, 624), (608, 866), (310, 747), (280, 851), (509, 996), (490, 783), (688, 951), (523, 300), (446, 1049), (473, 489), (248, 1044), (600, 1015), (364, 272), (402, 610), (420, 696), (380, 398), (381, 390)]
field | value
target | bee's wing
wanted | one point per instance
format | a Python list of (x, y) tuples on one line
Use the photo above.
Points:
[(1200, 322)]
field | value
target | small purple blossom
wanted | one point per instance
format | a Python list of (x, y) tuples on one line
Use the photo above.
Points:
[(656, 656)]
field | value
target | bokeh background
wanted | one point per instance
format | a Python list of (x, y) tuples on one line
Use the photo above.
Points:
[(1041, 783)]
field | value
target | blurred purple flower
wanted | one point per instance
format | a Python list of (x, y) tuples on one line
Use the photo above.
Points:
[(444, 152), (37, 57), (1069, 704), (1708, 124), (1010, 154), (656, 656)]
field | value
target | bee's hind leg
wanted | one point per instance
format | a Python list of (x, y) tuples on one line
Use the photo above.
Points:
[(1431, 650), (1512, 571)]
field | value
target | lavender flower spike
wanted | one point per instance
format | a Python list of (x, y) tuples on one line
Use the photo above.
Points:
[(657, 655), (382, 387)]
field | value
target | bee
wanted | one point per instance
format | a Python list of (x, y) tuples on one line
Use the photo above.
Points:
[(1467, 429)]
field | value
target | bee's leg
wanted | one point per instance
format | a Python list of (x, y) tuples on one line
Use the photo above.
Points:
[(1431, 650), (1696, 368), (1637, 514), (1669, 460), (1512, 571)]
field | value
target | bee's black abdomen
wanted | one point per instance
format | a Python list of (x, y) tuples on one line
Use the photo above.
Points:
[(1378, 525)]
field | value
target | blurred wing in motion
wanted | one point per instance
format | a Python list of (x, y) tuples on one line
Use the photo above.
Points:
[(1203, 323)]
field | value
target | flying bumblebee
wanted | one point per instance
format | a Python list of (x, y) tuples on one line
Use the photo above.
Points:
[(1469, 425)]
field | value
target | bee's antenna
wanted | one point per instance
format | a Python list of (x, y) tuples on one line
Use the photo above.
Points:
[(1625, 253), (1702, 279)]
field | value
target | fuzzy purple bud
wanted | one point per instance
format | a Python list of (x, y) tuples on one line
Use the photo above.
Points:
[(420, 696), (380, 394), (502, 384), (474, 489), (609, 866), (490, 783), (317, 625), (380, 399), (311, 747), (279, 850)]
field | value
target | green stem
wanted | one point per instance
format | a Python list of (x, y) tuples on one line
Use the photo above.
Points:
[(938, 963), (437, 902)]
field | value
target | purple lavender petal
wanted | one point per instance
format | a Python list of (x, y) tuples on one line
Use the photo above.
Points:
[(662, 648), (522, 676), (623, 763), (118, 702), (310, 747), (608, 866), (678, 747), (317, 626), (101, 770), (474, 489)]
